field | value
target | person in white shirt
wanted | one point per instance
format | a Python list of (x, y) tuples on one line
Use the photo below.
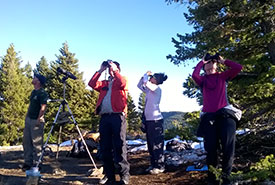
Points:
[(153, 120)]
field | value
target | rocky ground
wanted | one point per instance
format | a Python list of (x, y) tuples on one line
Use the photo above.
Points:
[(73, 171), (250, 148)]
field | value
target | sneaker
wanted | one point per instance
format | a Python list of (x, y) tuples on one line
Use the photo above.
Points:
[(149, 169), (38, 168), (155, 171), (24, 167), (106, 180), (125, 179)]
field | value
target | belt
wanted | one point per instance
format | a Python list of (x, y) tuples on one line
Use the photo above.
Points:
[(112, 114)]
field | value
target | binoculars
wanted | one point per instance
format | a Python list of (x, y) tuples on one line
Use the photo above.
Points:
[(212, 57), (106, 63)]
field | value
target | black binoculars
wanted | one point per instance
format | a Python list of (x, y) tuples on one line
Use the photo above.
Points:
[(212, 57), (106, 63)]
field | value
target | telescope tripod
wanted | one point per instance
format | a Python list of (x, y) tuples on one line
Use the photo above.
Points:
[(62, 106)]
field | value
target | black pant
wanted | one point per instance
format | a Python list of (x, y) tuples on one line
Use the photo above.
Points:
[(155, 142), (220, 130), (112, 131)]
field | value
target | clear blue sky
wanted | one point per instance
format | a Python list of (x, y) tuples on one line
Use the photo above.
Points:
[(136, 33)]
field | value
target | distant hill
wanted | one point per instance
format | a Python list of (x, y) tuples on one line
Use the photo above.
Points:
[(170, 117)]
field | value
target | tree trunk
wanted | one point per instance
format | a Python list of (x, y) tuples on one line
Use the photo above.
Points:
[(269, 27), (271, 51)]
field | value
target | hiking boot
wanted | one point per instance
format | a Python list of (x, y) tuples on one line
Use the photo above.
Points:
[(226, 180), (211, 179), (106, 180), (149, 169), (124, 179), (155, 171), (24, 167)]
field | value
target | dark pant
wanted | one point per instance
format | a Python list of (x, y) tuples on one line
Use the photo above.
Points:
[(220, 131), (113, 149), (155, 142)]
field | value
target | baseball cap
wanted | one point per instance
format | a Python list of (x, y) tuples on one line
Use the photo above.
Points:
[(41, 78)]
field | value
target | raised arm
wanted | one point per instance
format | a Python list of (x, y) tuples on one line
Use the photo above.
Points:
[(94, 83), (141, 86), (120, 80), (196, 73), (145, 85), (234, 69)]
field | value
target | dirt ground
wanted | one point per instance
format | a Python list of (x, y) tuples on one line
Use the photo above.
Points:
[(73, 171)]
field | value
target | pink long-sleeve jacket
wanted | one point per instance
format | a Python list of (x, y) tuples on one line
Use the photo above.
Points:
[(214, 85)]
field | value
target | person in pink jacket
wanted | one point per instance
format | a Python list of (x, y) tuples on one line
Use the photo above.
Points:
[(112, 106), (216, 126)]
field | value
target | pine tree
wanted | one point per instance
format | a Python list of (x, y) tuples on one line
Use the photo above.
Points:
[(15, 89), (242, 31), (133, 117), (141, 102), (42, 67), (27, 71), (80, 100)]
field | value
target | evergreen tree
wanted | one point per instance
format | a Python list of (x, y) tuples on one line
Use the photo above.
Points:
[(42, 67), (80, 100), (243, 31), (133, 117), (141, 102), (27, 70), (15, 89)]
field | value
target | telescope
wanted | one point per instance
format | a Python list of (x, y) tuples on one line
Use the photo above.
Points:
[(67, 73)]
